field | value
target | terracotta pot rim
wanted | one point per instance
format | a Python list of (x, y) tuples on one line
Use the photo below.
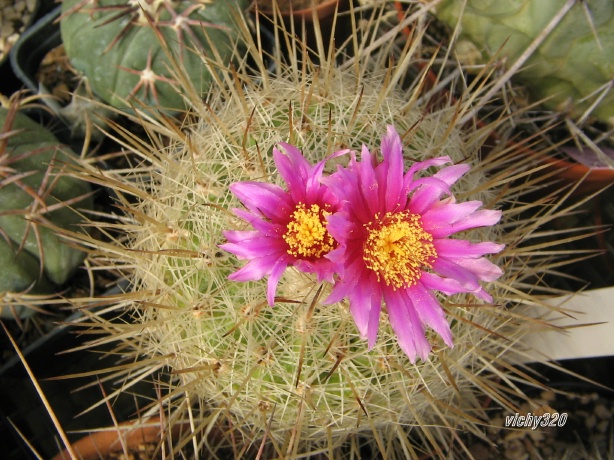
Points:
[(105, 442), (324, 9)]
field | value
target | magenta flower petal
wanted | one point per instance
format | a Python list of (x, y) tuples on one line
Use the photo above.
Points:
[(448, 286), (374, 314), (391, 172), (368, 183), (408, 179), (365, 306), (250, 248), (292, 167), (447, 219), (234, 236), (430, 312), (424, 197), (406, 324), (445, 214), (264, 227), (462, 248), (276, 271), (481, 268), (392, 230), (263, 199), (257, 268), (451, 270), (349, 279), (344, 182), (289, 226), (360, 307), (338, 293), (340, 226)]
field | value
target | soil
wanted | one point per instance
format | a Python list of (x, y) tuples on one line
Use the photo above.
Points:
[(27, 331), (14, 17), (57, 75), (582, 430)]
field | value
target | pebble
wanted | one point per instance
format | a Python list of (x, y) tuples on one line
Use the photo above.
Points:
[(537, 435), (585, 399), (548, 396), (547, 451), (515, 450), (602, 426), (495, 427), (14, 16), (590, 421), (602, 412)]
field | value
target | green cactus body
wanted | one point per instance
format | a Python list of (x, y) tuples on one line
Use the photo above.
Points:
[(300, 363), (573, 67), (297, 378), (19, 272), (31, 197), (121, 46)]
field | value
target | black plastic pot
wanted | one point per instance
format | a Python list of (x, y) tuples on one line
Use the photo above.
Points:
[(27, 54), (22, 409), (9, 81)]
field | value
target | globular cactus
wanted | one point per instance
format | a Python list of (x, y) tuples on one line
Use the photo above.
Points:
[(37, 203), (299, 377), (573, 67), (125, 48)]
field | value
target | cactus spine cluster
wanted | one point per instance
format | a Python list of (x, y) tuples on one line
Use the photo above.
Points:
[(126, 48)]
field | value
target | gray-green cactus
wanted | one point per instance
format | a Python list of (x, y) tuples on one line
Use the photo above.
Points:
[(35, 201), (573, 67), (123, 46)]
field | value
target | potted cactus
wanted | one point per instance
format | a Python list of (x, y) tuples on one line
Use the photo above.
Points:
[(37, 204), (273, 353), (562, 51), (563, 54), (125, 49)]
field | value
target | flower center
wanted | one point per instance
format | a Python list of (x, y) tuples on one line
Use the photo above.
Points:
[(397, 249), (306, 233)]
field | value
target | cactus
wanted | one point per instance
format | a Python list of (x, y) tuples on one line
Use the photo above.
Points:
[(297, 378), (573, 66), (36, 202), (125, 47)]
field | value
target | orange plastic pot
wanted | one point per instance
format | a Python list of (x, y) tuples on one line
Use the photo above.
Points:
[(590, 180), (102, 444)]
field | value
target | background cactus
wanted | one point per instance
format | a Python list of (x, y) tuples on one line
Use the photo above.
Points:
[(124, 48), (574, 65), (297, 378), (36, 202)]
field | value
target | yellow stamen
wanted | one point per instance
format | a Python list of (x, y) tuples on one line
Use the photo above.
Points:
[(397, 249), (306, 233)]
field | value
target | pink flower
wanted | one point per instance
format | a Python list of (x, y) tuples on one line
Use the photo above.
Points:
[(289, 227), (392, 232)]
